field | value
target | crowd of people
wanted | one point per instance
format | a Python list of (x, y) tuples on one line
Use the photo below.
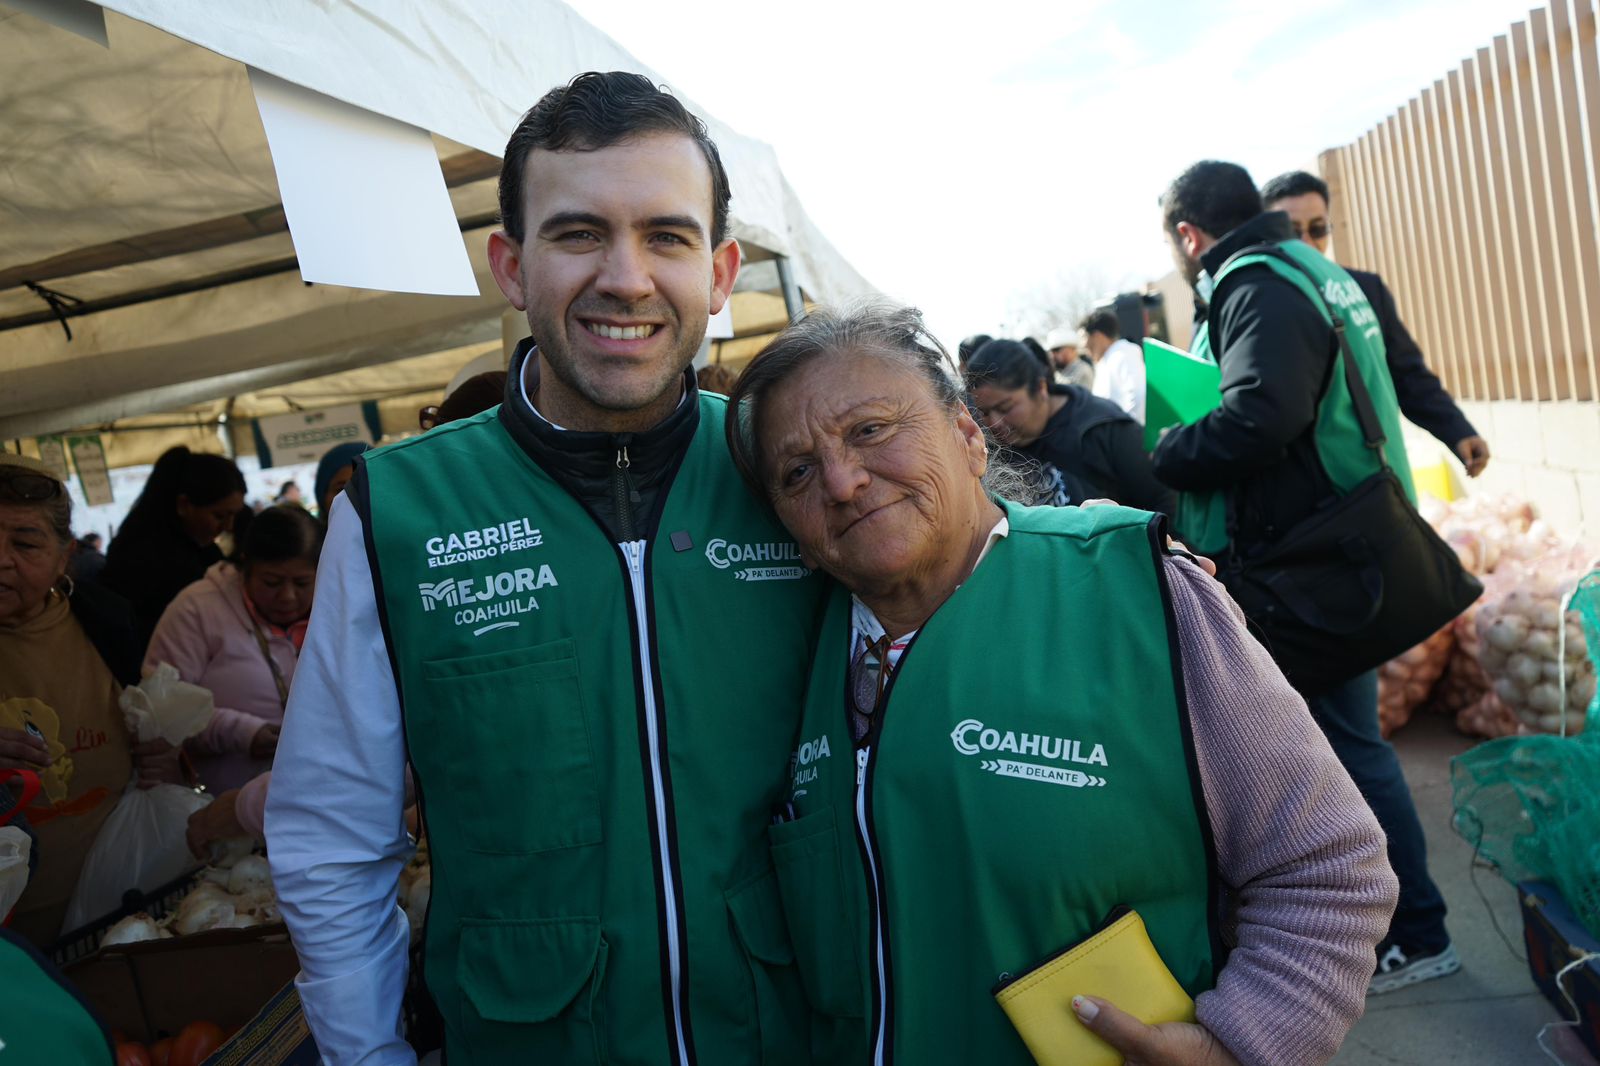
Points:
[(785, 716)]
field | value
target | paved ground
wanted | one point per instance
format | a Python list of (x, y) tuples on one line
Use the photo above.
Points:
[(1490, 1012)]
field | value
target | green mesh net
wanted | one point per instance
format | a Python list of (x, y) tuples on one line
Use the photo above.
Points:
[(1531, 805)]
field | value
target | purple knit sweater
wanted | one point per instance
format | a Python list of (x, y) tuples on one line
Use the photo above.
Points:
[(1308, 891)]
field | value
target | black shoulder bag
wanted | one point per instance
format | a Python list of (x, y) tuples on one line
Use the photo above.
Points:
[(1361, 579)]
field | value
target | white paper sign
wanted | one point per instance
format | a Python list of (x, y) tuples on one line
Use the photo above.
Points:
[(304, 436), (365, 198), (75, 16), (89, 456)]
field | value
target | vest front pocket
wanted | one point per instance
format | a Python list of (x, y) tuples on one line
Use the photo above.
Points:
[(505, 733), (757, 917), (824, 924), (533, 990)]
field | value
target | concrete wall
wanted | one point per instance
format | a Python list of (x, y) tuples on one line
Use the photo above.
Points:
[(1547, 452)]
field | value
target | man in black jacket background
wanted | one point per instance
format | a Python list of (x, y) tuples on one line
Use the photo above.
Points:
[(1423, 400), (1276, 352)]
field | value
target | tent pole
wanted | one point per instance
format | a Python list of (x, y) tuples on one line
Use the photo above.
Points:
[(792, 301), (225, 429)]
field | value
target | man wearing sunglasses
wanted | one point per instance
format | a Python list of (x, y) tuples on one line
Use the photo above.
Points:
[(1304, 197)]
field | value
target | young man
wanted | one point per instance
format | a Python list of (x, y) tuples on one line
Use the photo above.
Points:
[(1304, 197), (545, 609), (1269, 456), (1118, 363)]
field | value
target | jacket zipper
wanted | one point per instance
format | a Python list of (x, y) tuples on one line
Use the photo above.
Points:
[(634, 552), (623, 493)]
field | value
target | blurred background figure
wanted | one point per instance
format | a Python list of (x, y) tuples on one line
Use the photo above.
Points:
[(237, 632), (290, 493), (472, 396), (1086, 447), (716, 378), (334, 471), (1118, 363), (169, 538), (1070, 368), (1423, 400), (66, 650), (967, 347), (87, 559)]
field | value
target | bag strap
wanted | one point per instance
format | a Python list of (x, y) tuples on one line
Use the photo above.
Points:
[(1366, 413)]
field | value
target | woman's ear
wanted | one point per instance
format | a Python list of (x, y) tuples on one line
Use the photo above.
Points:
[(972, 439)]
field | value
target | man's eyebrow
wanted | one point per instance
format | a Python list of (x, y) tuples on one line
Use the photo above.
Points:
[(688, 222), (572, 218)]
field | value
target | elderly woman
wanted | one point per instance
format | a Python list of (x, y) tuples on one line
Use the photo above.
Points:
[(65, 654), (1020, 718)]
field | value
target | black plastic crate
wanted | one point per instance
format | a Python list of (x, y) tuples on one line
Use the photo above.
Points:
[(1555, 939), (157, 903)]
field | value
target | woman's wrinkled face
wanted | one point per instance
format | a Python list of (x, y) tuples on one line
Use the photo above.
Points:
[(282, 591), (206, 522), (1016, 417), (32, 560), (869, 471)]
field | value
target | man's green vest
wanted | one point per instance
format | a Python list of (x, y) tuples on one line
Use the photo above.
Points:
[(598, 736), (1202, 518), (1033, 769)]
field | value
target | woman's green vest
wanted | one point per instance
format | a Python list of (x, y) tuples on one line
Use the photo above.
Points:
[(598, 735), (1033, 769), (1202, 518)]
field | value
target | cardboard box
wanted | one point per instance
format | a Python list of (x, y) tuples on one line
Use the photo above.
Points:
[(1555, 939), (154, 988)]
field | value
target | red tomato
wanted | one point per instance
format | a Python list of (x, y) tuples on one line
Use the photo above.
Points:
[(197, 1041), (130, 1054), (161, 1052)]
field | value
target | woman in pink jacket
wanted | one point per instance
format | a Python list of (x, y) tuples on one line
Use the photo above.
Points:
[(237, 632)]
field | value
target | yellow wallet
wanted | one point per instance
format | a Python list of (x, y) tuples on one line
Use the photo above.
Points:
[(1119, 964)]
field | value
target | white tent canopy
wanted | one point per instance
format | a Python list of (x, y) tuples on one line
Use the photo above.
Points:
[(137, 179)]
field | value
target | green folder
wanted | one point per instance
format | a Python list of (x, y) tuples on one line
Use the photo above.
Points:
[(1179, 389)]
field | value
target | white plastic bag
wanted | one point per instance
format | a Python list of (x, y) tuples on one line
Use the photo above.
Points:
[(143, 845), (163, 705), (144, 842), (15, 846)]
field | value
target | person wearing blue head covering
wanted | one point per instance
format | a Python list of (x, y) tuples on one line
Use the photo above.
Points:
[(333, 472)]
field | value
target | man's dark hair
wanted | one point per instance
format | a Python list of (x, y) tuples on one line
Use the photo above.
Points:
[(1102, 322), (1294, 183), (599, 110), (1216, 197)]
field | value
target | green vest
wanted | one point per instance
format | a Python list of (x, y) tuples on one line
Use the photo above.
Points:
[(598, 735), (43, 1018), (1202, 518), (1033, 769)]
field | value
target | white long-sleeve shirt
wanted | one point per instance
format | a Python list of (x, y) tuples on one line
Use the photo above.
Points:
[(1119, 377), (335, 825)]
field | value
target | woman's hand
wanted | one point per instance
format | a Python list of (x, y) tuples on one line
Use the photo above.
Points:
[(217, 820), (1173, 1044), (156, 763), (21, 750), (265, 743)]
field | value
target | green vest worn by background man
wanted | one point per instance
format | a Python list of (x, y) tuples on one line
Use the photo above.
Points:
[(1031, 768), (598, 733), (1202, 518)]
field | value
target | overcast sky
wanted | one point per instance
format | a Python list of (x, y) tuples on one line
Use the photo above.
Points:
[(961, 160)]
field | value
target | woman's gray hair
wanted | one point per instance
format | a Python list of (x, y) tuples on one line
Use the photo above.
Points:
[(57, 510), (872, 328)]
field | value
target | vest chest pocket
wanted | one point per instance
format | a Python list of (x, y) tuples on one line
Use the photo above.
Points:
[(506, 735), (822, 917)]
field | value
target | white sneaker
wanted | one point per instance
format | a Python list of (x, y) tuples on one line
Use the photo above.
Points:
[(1397, 969)]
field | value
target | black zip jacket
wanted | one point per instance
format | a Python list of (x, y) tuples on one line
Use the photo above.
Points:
[(1422, 399), (617, 476), (1276, 352), (1093, 448)]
